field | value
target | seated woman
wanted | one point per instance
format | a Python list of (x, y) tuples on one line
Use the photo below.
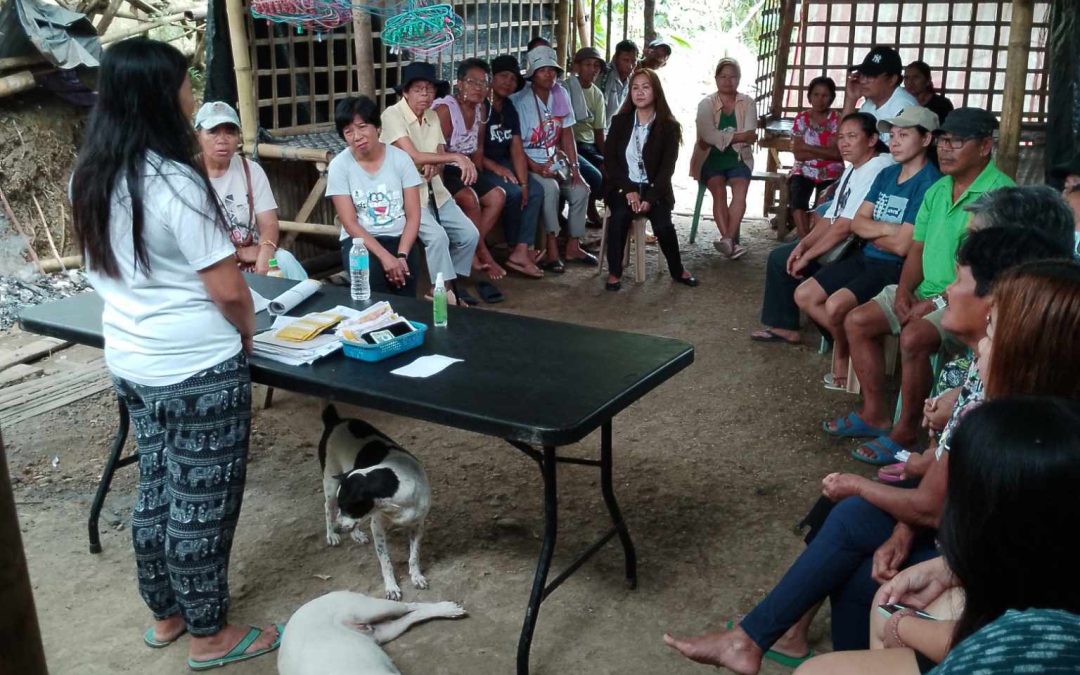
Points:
[(817, 160), (505, 163), (375, 189), (874, 529), (462, 119), (884, 223), (643, 146), (244, 192), (723, 157), (918, 83), (790, 264), (1035, 306)]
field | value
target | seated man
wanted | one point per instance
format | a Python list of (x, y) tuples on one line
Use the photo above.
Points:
[(449, 238), (616, 82), (789, 264), (462, 119), (878, 81), (591, 120), (912, 309), (546, 120), (657, 54), (884, 222)]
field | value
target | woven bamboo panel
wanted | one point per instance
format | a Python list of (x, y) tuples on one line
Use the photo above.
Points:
[(298, 75), (964, 43)]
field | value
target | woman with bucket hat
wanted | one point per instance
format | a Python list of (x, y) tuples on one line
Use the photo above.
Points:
[(546, 129), (449, 237)]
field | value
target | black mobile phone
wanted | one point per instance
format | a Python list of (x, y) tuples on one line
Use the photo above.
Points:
[(891, 608), (387, 333)]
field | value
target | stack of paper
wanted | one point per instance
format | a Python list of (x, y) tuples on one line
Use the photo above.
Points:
[(298, 353)]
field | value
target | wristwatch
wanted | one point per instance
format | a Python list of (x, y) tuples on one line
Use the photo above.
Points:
[(402, 255), (939, 302)]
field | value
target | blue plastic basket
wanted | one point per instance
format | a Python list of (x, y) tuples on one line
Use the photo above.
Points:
[(384, 350)]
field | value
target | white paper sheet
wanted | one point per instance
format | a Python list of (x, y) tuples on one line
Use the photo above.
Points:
[(293, 297), (426, 366), (261, 303)]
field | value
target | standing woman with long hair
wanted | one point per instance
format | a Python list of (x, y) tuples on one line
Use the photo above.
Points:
[(723, 158), (178, 322), (643, 144)]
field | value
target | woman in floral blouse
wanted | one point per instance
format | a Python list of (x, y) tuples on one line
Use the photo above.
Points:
[(817, 161)]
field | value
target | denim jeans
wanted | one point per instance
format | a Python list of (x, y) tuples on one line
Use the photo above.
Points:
[(519, 224), (836, 565)]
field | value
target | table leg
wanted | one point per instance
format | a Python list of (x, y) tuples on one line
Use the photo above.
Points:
[(551, 526), (111, 465), (613, 506)]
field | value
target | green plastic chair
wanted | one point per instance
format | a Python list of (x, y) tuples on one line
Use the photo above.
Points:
[(697, 211)]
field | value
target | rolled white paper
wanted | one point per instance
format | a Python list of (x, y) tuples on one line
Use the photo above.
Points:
[(293, 297)]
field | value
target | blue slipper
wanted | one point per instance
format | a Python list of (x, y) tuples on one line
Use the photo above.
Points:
[(883, 448), (238, 653), (853, 426), (154, 643)]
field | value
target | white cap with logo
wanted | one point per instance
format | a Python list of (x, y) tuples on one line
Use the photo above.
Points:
[(216, 113)]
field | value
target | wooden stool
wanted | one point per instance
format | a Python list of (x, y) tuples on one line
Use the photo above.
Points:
[(637, 234)]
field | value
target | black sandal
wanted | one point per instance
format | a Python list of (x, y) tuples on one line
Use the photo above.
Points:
[(556, 266)]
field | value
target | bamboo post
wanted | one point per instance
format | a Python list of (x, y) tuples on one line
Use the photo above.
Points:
[(12, 62), (17, 82), (1012, 108), (783, 49), (648, 10), (20, 638), (365, 54), (562, 31), (245, 86), (579, 21)]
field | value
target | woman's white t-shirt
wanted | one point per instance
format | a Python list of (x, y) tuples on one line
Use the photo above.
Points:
[(379, 198), (232, 191), (161, 326)]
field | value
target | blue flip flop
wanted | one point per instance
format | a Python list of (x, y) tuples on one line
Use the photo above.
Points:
[(238, 653), (853, 426), (154, 643), (884, 449)]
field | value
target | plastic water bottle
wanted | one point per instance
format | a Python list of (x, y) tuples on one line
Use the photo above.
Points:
[(439, 302), (359, 270), (274, 270)]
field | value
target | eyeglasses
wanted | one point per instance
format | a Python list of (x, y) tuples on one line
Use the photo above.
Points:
[(479, 84), (952, 142)]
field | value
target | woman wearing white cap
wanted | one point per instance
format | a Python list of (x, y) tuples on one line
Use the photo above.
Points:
[(244, 193)]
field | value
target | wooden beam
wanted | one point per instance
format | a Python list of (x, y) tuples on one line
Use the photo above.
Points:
[(16, 83), (308, 228), (245, 86), (562, 32), (365, 54), (783, 49), (1016, 68)]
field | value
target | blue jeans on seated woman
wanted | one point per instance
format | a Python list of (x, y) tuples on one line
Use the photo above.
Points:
[(836, 565)]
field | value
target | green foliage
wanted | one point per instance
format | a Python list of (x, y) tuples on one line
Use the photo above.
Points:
[(680, 21)]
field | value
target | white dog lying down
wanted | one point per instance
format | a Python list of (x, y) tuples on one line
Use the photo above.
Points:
[(368, 475), (340, 633)]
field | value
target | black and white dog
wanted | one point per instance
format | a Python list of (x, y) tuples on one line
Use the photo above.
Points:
[(365, 473), (340, 633)]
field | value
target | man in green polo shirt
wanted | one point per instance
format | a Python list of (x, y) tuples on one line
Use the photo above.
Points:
[(913, 308)]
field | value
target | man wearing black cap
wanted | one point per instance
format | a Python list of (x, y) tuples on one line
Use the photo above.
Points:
[(449, 237), (877, 80), (656, 55), (913, 308)]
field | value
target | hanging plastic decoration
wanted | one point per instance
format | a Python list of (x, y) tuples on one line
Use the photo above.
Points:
[(320, 16), (423, 30)]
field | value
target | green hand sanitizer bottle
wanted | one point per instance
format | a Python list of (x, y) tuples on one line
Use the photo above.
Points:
[(439, 304)]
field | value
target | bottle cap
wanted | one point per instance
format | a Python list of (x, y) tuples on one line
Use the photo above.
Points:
[(358, 240), (272, 262), (439, 282)]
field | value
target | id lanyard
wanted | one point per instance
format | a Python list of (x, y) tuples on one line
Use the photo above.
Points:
[(545, 120), (639, 137)]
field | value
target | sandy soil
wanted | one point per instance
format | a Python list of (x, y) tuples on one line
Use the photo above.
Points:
[(712, 470)]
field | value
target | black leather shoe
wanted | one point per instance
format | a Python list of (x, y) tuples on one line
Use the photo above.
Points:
[(609, 286), (690, 281)]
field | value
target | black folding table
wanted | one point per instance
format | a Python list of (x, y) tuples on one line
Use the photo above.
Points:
[(537, 384)]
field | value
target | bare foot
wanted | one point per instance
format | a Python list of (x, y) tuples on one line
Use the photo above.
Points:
[(206, 648), (167, 630), (731, 649)]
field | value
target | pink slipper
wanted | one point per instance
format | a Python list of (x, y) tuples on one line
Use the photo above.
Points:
[(893, 473)]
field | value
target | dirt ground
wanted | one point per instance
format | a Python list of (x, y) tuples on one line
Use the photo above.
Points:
[(712, 470)]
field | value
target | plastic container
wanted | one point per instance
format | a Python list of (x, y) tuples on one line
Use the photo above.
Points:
[(359, 271), (438, 305), (384, 350)]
